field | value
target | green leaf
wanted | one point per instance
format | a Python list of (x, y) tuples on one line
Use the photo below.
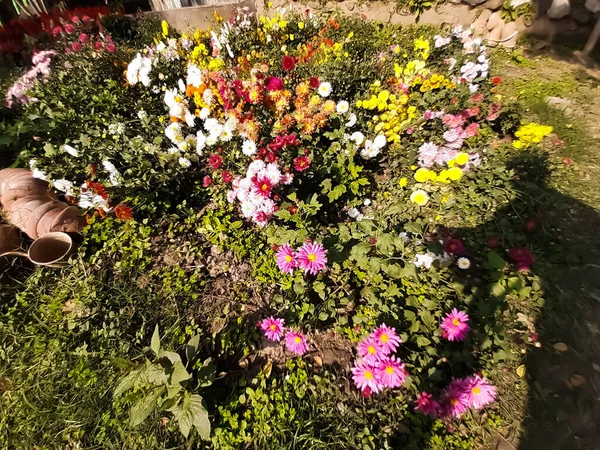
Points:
[(143, 408), (192, 413), (179, 373), (323, 316), (126, 383), (422, 341), (191, 349), (155, 342), (494, 261), (498, 290)]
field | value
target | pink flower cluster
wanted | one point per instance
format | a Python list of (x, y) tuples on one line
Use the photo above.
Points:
[(454, 137), (274, 330), (17, 93), (461, 394), (98, 42), (311, 258), (455, 325), (377, 368), (256, 189)]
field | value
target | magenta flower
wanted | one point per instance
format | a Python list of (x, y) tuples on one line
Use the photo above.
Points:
[(454, 326), (296, 343), (365, 378), (387, 338), (390, 372), (426, 404), (274, 84), (312, 257), (273, 328), (479, 391), (286, 259), (370, 350), (263, 186), (454, 399)]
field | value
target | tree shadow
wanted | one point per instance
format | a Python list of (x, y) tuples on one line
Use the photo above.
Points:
[(563, 374)]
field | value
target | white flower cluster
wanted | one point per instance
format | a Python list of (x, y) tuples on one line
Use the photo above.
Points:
[(426, 259), (139, 70), (254, 191)]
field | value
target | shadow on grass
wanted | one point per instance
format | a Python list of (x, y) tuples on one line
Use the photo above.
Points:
[(563, 375)]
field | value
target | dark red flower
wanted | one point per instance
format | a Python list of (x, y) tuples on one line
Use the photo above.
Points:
[(493, 241), (227, 177), (496, 80), (288, 63), (76, 46), (372, 241), (110, 48), (263, 186), (301, 163), (531, 225), (454, 247), (98, 45), (293, 209), (314, 82), (123, 212), (271, 157), (215, 161), (522, 258), (274, 84)]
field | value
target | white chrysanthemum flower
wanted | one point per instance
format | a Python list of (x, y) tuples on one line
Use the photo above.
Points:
[(190, 119), (249, 148), (424, 259), (353, 213), (174, 133), (248, 209), (184, 162), (204, 113), (71, 150), (342, 107), (379, 142), (142, 114), (231, 124), (173, 151), (190, 140), (155, 89), (160, 47), (357, 137), (404, 236), (367, 202), (194, 75), (352, 121), (255, 166), (324, 89), (63, 186), (231, 195), (272, 173), (213, 126), (207, 96), (181, 85), (40, 175), (226, 135), (369, 151), (211, 140), (463, 263)]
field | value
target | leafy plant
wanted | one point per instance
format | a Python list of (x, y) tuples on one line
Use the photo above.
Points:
[(166, 385)]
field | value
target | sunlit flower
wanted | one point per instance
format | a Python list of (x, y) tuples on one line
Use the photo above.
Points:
[(301, 163), (391, 372), (455, 325), (248, 148), (324, 89), (273, 328), (364, 377), (296, 343), (342, 107), (387, 338), (286, 259), (312, 258), (479, 391), (454, 399), (419, 197), (463, 263), (371, 350)]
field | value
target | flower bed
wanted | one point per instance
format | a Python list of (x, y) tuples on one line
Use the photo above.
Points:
[(358, 171)]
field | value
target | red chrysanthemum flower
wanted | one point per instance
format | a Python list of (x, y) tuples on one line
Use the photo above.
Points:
[(227, 177), (454, 247), (496, 80), (206, 181), (314, 82), (301, 163), (123, 212), (288, 63), (215, 161)]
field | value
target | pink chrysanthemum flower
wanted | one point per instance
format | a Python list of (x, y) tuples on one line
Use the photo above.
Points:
[(273, 328), (455, 399), (263, 186), (391, 372), (479, 391), (296, 343), (387, 338), (454, 326), (426, 404), (370, 350), (365, 378), (312, 257), (286, 259)]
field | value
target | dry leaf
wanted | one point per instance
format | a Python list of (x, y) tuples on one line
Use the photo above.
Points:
[(560, 347), (268, 368), (577, 380), (318, 361), (521, 370)]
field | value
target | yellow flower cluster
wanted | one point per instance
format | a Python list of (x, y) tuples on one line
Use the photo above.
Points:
[(435, 81), (530, 134), (423, 175), (395, 114), (422, 47), (415, 67)]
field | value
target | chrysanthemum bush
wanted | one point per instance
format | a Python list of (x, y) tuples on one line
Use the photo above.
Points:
[(367, 163)]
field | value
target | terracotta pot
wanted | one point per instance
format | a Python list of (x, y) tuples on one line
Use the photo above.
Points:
[(23, 209), (10, 240), (69, 220), (51, 250), (46, 221)]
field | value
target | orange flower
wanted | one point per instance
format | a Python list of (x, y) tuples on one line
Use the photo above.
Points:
[(123, 212)]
